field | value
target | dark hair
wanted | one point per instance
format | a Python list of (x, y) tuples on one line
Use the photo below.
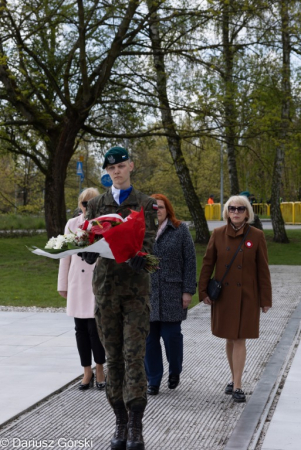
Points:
[(169, 209)]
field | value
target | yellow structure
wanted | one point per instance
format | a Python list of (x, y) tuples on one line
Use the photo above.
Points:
[(213, 212), (291, 211), (262, 209), (297, 212)]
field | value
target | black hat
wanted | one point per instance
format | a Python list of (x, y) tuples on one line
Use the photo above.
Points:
[(115, 155)]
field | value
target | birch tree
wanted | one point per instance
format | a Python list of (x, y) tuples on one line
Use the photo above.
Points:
[(173, 137)]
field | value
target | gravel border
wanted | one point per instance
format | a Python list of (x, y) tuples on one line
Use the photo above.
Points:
[(32, 309)]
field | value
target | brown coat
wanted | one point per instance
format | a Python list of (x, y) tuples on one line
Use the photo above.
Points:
[(246, 288)]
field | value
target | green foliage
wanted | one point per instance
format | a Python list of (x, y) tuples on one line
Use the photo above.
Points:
[(155, 173), (21, 222), (21, 186), (91, 168)]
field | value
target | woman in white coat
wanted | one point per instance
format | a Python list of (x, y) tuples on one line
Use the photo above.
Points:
[(75, 284)]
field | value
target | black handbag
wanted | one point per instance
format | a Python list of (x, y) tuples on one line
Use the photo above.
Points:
[(214, 286)]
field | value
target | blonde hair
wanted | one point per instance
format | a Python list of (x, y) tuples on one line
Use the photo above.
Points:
[(241, 200), (86, 195)]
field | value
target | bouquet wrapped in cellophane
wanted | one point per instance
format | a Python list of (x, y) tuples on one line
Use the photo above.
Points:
[(110, 235)]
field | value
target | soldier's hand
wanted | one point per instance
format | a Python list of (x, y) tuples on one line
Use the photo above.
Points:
[(137, 263), (89, 257)]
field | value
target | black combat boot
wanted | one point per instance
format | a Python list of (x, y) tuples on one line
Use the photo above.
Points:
[(135, 438), (118, 441)]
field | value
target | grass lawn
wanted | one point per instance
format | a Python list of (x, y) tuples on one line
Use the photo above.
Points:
[(31, 280), (27, 279)]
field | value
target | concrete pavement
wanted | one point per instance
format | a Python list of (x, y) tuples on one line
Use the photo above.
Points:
[(284, 431), (38, 357)]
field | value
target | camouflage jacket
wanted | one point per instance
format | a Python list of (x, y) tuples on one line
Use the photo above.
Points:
[(109, 277)]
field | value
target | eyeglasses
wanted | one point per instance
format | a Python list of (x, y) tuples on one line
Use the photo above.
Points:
[(85, 204), (239, 209)]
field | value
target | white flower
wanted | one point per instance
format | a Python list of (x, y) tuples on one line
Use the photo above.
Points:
[(51, 243), (80, 233), (79, 238), (69, 237), (60, 241)]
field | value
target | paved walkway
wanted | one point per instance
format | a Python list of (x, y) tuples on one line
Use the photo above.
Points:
[(38, 357)]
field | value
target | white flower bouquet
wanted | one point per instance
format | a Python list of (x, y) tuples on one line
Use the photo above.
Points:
[(110, 236)]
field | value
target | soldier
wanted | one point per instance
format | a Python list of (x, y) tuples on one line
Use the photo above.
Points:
[(122, 304)]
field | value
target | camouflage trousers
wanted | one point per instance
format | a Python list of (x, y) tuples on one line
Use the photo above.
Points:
[(123, 325)]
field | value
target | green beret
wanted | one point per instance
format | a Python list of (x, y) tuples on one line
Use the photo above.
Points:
[(115, 155)]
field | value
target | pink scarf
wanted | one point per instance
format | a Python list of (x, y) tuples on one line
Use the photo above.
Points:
[(161, 228)]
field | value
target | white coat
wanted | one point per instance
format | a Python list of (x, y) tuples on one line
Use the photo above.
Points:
[(75, 277)]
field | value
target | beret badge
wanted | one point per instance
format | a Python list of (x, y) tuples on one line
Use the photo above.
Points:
[(111, 159)]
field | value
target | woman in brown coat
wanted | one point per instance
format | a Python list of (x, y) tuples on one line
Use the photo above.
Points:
[(245, 289)]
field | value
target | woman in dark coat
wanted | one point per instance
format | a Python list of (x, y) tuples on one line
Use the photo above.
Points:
[(246, 288), (172, 287)]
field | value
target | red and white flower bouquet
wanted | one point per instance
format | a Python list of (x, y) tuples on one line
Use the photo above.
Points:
[(110, 235)]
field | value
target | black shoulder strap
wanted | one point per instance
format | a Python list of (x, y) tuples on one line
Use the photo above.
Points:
[(229, 266)]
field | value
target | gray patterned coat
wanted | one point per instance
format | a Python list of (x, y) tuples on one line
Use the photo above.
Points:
[(177, 274)]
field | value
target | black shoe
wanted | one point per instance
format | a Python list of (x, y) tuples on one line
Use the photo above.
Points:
[(238, 396), (229, 388), (135, 438), (173, 381), (101, 386), (153, 390), (84, 387), (118, 441)]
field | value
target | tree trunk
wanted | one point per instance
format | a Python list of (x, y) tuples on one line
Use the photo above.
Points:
[(60, 148), (276, 216), (229, 101), (55, 208), (174, 140)]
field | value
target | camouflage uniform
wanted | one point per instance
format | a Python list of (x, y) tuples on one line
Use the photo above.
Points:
[(122, 305)]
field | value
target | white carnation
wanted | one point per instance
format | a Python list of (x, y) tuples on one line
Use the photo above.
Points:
[(60, 241), (80, 233), (51, 243), (69, 238)]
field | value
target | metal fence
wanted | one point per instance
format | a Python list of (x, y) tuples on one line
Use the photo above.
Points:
[(291, 211), (262, 209)]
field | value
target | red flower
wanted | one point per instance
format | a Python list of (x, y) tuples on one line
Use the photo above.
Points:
[(126, 239), (100, 228), (91, 238)]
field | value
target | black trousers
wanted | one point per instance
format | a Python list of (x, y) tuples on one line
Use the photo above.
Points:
[(87, 340)]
